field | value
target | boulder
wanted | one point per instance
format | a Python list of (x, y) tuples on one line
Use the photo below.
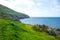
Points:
[(54, 32)]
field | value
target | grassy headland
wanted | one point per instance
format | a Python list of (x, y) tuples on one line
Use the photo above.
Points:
[(15, 30), (12, 29)]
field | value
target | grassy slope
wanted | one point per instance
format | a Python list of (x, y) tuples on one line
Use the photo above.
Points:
[(6, 10), (14, 30)]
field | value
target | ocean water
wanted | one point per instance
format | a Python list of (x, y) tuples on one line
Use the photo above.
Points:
[(53, 22)]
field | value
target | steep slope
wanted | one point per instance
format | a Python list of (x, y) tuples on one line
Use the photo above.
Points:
[(7, 11), (14, 30), (10, 29)]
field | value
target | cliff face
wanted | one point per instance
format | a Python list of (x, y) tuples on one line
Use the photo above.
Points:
[(6, 12)]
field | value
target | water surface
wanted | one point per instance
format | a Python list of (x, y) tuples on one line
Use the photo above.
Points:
[(53, 22)]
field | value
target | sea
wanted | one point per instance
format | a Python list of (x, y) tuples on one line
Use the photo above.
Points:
[(53, 22)]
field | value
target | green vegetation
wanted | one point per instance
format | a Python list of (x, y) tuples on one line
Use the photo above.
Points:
[(58, 37), (11, 13), (14, 30)]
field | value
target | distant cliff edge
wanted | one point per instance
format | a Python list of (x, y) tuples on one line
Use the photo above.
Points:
[(6, 12)]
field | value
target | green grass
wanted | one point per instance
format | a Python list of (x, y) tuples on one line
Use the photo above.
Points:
[(14, 30), (11, 29), (8, 11)]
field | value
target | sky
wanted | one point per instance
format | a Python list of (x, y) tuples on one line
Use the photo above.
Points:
[(35, 8)]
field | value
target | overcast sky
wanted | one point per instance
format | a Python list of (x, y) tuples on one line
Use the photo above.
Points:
[(35, 8)]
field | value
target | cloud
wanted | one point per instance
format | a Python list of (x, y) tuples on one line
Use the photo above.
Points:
[(34, 7), (28, 3), (56, 8)]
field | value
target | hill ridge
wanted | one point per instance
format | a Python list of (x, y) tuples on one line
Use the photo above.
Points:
[(5, 10)]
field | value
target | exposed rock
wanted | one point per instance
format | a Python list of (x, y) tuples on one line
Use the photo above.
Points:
[(41, 27), (54, 32), (9, 16), (49, 30)]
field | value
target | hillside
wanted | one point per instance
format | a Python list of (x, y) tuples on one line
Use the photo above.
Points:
[(14, 30), (11, 13)]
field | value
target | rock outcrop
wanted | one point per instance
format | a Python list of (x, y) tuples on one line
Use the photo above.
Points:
[(49, 30)]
